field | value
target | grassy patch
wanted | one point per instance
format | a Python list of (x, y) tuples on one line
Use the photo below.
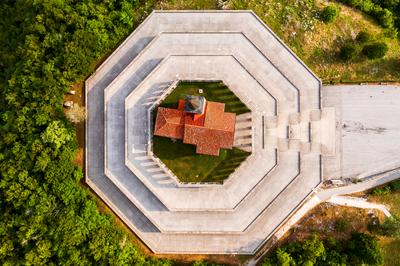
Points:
[(390, 246), (390, 249), (188, 166), (212, 91), (188, 4)]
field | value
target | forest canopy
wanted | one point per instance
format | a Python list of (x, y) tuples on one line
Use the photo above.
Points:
[(46, 216)]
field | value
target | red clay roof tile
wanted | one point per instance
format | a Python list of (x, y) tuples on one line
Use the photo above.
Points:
[(209, 132)]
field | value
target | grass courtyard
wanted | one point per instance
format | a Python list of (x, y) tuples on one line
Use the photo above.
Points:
[(188, 166), (212, 91), (181, 158)]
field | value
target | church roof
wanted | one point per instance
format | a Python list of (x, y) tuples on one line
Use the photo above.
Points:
[(210, 131), (169, 123)]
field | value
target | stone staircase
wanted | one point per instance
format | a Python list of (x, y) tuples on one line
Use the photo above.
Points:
[(311, 131), (243, 132)]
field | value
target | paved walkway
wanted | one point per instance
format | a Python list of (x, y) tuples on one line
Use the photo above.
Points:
[(362, 186), (368, 130), (358, 203)]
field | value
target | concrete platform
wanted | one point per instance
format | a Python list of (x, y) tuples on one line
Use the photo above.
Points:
[(368, 130), (242, 214)]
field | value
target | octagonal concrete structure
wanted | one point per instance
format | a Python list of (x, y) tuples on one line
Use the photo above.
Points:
[(290, 132)]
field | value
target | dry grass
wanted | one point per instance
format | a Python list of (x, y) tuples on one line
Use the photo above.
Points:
[(318, 43), (323, 43), (79, 110), (187, 4), (390, 246), (324, 218), (391, 252)]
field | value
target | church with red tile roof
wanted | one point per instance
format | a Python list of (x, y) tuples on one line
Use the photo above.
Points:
[(198, 122)]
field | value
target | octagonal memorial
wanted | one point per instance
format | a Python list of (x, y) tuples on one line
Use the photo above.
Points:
[(281, 114)]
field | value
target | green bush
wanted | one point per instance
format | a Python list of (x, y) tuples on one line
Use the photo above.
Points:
[(364, 249), (391, 227), (381, 191), (375, 50), (363, 37), (383, 16), (395, 185), (386, 189), (348, 52), (341, 225), (329, 14)]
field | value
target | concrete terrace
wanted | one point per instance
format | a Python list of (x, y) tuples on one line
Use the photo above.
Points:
[(295, 142), (141, 76)]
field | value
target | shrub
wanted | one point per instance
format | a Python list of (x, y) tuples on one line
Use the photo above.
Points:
[(395, 185), (363, 37), (381, 191), (383, 16), (329, 13), (341, 225), (391, 227), (364, 249), (391, 33), (375, 50), (348, 52)]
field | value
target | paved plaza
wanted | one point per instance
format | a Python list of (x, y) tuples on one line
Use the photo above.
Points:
[(294, 132)]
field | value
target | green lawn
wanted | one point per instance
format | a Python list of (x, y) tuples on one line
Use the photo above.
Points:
[(212, 91), (188, 166), (182, 158)]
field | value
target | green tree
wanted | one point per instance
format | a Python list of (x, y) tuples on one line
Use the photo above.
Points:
[(364, 249), (329, 14), (313, 249), (56, 133), (46, 217), (283, 258)]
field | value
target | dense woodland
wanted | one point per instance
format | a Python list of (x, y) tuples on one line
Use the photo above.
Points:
[(46, 215)]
